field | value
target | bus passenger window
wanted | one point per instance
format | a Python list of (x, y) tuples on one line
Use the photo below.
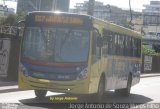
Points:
[(134, 45), (94, 44), (128, 46), (139, 48), (95, 49), (116, 44), (121, 45), (1, 44), (113, 44)]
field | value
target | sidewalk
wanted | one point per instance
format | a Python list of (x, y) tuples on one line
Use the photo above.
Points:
[(7, 86), (11, 86)]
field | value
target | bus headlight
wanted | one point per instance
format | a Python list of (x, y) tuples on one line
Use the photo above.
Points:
[(23, 70), (82, 74)]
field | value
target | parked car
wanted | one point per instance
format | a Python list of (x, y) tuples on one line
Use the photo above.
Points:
[(152, 35)]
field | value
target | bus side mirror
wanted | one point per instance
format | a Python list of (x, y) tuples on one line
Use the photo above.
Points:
[(99, 42), (20, 27)]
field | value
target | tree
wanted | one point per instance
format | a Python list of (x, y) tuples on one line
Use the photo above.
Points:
[(2, 20), (10, 20), (147, 51)]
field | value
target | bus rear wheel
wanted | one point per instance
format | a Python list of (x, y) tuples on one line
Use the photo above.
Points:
[(40, 94), (129, 84), (125, 91)]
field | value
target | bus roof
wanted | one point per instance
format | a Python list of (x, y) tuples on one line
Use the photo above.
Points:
[(116, 28), (105, 24)]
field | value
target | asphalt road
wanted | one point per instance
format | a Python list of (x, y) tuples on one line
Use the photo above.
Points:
[(146, 92)]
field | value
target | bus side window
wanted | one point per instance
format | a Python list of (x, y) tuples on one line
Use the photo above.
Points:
[(138, 45), (116, 44), (121, 45), (139, 48), (113, 44), (95, 49), (106, 40), (110, 41), (1, 44), (128, 46), (94, 41)]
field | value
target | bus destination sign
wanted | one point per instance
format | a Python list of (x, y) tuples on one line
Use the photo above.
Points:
[(58, 19)]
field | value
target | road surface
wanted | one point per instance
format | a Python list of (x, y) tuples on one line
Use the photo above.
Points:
[(147, 91)]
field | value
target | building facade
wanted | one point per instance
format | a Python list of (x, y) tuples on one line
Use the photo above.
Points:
[(104, 12), (42, 5), (151, 13), (5, 10)]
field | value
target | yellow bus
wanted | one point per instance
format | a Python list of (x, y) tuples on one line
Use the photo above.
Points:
[(77, 54)]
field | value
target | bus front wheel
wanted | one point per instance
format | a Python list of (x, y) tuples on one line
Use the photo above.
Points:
[(40, 93), (101, 89)]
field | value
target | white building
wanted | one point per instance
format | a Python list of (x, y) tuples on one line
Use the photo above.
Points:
[(6, 7), (151, 13), (4, 10), (104, 12), (42, 5)]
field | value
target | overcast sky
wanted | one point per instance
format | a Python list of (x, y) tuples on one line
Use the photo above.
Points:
[(135, 4), (9, 3)]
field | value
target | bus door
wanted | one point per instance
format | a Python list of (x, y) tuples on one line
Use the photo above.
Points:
[(96, 61), (111, 82)]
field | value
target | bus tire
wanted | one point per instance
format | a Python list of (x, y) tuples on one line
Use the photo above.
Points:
[(101, 89), (125, 91), (128, 88), (40, 94)]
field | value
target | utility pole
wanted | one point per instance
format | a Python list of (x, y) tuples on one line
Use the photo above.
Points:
[(91, 7), (54, 5), (4, 2)]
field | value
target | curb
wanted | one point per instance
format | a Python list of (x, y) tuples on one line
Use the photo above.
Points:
[(146, 76), (10, 90)]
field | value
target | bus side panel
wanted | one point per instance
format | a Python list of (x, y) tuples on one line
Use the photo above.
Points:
[(136, 72), (110, 75), (118, 70)]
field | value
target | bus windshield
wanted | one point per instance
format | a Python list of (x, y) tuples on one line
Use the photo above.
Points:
[(55, 44)]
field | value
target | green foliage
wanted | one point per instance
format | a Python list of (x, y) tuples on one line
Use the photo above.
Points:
[(2, 20), (148, 51), (12, 19)]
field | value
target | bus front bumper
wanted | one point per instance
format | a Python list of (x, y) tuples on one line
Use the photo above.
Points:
[(74, 87)]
